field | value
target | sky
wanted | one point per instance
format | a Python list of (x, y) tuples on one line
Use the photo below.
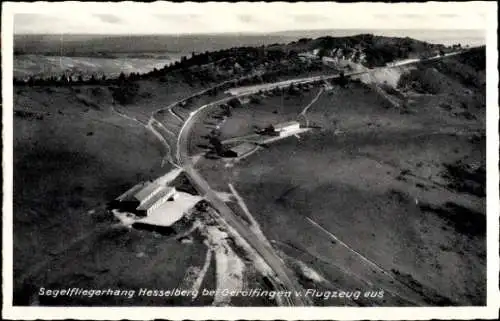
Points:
[(245, 17)]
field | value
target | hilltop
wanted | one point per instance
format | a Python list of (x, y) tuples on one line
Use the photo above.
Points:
[(272, 59), (81, 140)]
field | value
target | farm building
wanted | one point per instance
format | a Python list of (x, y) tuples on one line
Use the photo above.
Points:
[(244, 100), (143, 198), (286, 128), (307, 56), (243, 149)]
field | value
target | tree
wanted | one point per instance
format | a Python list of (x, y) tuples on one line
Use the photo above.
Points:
[(122, 77), (342, 80), (227, 110), (80, 78), (255, 100), (235, 102), (125, 93), (63, 79), (216, 143), (322, 53)]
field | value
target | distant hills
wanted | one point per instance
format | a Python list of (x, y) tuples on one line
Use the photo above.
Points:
[(102, 45)]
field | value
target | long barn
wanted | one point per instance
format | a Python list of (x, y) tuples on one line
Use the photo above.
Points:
[(144, 198)]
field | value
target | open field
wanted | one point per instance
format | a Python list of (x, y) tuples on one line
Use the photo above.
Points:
[(155, 95), (381, 195), (120, 259), (45, 66), (407, 145), (271, 110), (74, 152), (72, 155)]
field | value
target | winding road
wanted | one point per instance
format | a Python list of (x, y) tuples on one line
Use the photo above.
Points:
[(183, 160)]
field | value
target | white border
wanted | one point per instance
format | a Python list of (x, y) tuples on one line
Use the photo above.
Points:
[(140, 313)]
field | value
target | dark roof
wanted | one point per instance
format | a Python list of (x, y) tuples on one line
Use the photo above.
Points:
[(163, 192)]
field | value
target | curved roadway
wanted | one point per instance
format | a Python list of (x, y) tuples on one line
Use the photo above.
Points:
[(288, 281)]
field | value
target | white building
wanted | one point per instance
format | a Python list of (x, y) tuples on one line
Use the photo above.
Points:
[(327, 86), (306, 56), (244, 100), (284, 129), (243, 149), (143, 198), (156, 199)]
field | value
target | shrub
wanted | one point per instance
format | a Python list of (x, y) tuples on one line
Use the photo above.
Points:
[(126, 92), (235, 102)]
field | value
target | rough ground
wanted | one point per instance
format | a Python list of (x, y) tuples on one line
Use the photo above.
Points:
[(75, 151), (72, 155), (386, 193)]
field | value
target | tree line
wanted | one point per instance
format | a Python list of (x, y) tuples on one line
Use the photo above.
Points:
[(70, 80)]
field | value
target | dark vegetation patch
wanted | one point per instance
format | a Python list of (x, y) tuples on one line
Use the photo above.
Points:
[(163, 230), (464, 220), (379, 50), (183, 184), (467, 68), (399, 196), (466, 179), (126, 92), (28, 115), (423, 80), (476, 58), (466, 75), (431, 296)]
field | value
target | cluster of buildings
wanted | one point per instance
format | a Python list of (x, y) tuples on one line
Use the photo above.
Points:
[(144, 198), (282, 129), (285, 129), (334, 56)]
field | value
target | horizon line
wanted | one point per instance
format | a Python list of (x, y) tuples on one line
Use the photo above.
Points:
[(245, 32)]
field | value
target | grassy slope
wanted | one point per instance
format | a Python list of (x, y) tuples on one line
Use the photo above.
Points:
[(371, 186), (74, 160), (271, 110)]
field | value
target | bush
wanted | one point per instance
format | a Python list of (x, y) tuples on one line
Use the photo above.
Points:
[(235, 102), (255, 100), (126, 92), (422, 81)]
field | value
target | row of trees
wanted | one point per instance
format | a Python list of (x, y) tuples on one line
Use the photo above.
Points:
[(70, 80), (61, 80), (246, 57)]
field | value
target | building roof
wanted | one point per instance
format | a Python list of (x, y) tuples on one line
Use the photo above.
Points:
[(162, 192), (286, 124), (148, 191), (244, 99), (243, 148), (131, 192)]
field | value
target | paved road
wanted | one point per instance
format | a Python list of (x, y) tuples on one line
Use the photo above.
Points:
[(202, 186), (184, 160), (248, 90), (267, 252)]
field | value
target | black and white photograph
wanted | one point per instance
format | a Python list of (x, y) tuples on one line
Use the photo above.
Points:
[(228, 158)]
